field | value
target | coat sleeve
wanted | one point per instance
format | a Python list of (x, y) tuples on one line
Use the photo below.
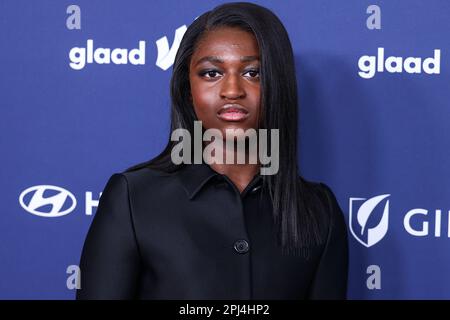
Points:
[(330, 280), (109, 265)]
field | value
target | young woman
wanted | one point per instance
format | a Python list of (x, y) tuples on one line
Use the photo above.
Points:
[(165, 230)]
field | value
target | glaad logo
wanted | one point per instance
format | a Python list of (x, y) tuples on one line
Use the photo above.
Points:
[(166, 56), (57, 201), (365, 235), (369, 65), (80, 56)]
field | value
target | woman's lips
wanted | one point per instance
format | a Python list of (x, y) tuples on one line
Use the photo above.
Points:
[(232, 113)]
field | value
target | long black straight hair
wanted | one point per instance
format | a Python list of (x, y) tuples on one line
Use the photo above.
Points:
[(293, 207)]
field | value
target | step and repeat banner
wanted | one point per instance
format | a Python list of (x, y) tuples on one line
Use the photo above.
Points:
[(84, 90)]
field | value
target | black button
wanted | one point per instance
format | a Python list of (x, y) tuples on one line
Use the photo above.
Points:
[(256, 189), (241, 246)]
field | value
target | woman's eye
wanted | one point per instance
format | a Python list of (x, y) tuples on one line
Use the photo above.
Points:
[(210, 74), (253, 73)]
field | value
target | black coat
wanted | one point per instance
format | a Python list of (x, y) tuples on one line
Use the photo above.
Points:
[(192, 235)]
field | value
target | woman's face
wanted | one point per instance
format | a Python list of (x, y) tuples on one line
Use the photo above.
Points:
[(224, 79)]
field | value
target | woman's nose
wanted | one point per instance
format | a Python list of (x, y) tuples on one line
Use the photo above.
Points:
[(232, 88)]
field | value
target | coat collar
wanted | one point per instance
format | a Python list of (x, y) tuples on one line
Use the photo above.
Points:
[(195, 176)]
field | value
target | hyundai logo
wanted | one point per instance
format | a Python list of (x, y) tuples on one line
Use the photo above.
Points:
[(56, 201)]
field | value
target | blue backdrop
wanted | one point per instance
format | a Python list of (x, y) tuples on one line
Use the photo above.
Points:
[(374, 89)]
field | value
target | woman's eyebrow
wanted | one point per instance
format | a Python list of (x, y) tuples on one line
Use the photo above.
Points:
[(216, 59), (249, 58)]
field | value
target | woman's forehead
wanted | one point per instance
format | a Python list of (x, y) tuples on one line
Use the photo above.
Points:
[(227, 42)]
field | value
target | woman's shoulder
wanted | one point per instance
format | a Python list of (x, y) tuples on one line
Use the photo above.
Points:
[(325, 207), (320, 197), (145, 177), (145, 173), (135, 177), (150, 179), (317, 188)]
